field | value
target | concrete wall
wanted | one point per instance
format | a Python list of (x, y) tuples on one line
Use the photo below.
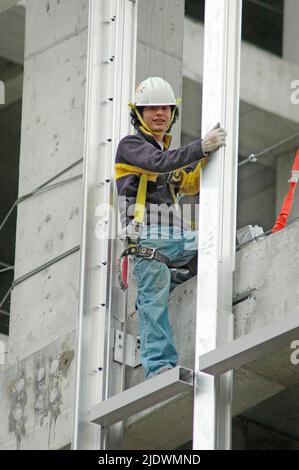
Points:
[(290, 31), (37, 406)]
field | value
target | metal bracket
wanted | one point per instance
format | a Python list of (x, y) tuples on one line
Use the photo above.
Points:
[(127, 346), (248, 233)]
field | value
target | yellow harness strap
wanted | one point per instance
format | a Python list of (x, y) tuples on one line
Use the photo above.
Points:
[(140, 200)]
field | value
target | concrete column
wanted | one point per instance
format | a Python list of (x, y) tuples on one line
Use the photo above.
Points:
[(290, 31), (36, 413)]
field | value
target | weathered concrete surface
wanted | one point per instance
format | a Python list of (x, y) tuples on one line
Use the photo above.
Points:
[(44, 307), (36, 403), (58, 21), (52, 122), (259, 267), (271, 266)]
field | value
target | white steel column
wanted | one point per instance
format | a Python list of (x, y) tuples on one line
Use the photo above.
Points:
[(110, 84), (217, 221), (124, 88)]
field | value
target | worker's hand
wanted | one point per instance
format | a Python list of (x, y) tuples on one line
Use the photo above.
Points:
[(214, 139)]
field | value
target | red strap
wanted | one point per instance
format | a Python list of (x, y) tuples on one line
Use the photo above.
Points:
[(288, 200), (124, 271), (296, 162)]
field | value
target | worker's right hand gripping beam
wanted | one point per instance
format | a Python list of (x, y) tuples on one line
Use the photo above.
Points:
[(214, 139)]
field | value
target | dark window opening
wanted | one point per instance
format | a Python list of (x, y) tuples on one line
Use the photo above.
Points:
[(262, 22), (12, 35)]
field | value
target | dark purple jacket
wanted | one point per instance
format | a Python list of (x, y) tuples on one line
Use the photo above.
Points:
[(137, 154)]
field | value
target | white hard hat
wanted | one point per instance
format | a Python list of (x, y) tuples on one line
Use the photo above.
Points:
[(154, 91)]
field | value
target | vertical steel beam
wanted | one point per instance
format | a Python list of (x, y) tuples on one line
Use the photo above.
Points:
[(109, 83), (124, 87), (214, 320)]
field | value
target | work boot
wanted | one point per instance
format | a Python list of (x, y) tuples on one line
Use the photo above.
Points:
[(180, 275)]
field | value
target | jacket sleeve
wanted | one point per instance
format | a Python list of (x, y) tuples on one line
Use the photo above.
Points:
[(190, 184), (136, 151)]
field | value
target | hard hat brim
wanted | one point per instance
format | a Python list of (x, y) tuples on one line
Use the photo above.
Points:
[(155, 104)]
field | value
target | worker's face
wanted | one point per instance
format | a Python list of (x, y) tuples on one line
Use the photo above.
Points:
[(157, 118)]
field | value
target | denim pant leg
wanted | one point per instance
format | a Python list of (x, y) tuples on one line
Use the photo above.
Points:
[(156, 338)]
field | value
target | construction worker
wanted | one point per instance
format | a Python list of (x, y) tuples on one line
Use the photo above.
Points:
[(149, 179)]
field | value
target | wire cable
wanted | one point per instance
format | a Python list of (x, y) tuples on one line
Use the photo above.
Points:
[(37, 270), (38, 190), (253, 158), (10, 268)]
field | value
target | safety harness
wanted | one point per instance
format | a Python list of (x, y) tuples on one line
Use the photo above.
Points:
[(134, 248)]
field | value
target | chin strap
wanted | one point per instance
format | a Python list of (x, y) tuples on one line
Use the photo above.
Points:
[(144, 127)]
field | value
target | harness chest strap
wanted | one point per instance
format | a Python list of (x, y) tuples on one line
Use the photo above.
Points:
[(140, 200)]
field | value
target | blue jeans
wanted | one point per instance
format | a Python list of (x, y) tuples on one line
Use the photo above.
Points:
[(154, 282)]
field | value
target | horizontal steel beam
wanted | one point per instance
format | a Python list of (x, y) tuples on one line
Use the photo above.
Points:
[(266, 340), (142, 396)]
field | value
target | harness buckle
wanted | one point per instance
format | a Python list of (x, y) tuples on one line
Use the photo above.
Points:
[(145, 251), (134, 230)]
